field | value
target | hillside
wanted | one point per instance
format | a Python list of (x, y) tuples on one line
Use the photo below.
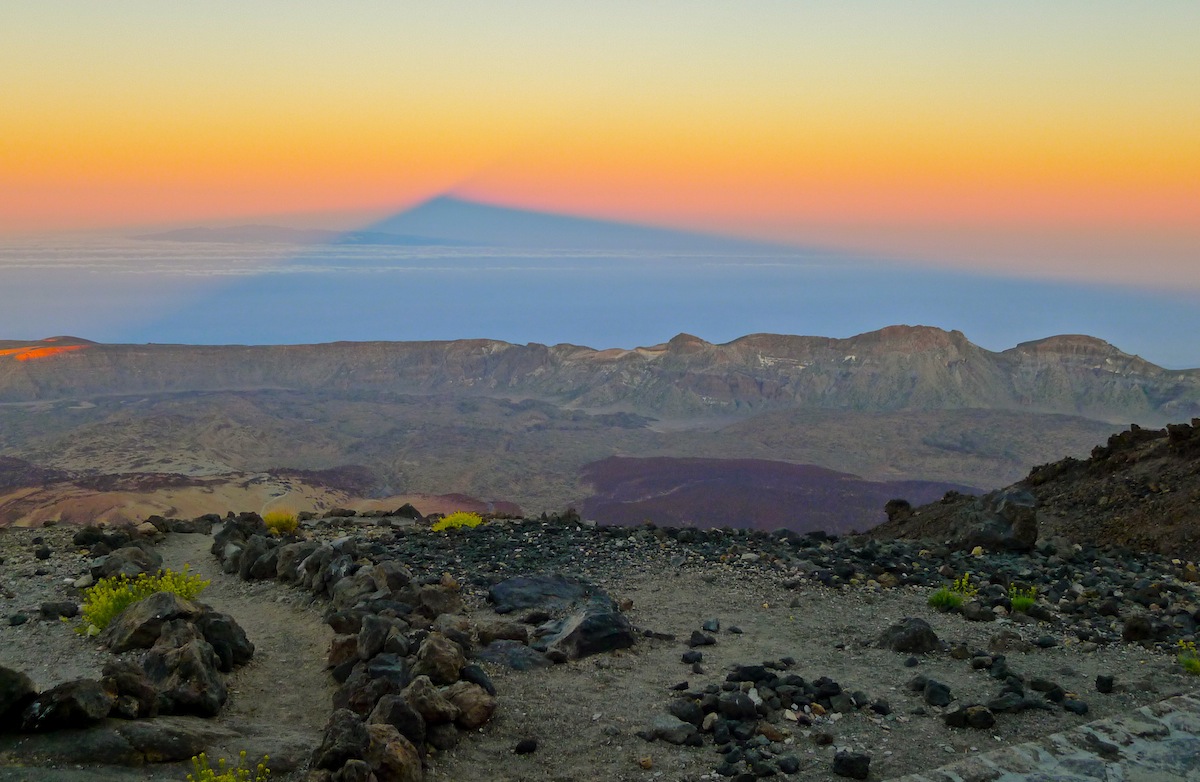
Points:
[(1140, 490), (897, 368), (519, 423), (741, 493)]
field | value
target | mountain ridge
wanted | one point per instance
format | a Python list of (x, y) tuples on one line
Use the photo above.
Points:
[(895, 368)]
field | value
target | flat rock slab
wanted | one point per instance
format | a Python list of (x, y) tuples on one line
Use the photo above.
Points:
[(1155, 743), (115, 743), (548, 593)]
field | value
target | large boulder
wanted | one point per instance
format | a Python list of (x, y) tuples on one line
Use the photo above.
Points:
[(184, 667), (136, 695), (227, 639), (139, 626), (1004, 520), (384, 674), (73, 704), (130, 561), (475, 706), (16, 692), (440, 659), (396, 711), (287, 566), (587, 631), (393, 757), (345, 738), (546, 592), (429, 702)]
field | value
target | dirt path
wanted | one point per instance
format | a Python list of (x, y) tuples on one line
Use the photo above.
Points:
[(280, 700)]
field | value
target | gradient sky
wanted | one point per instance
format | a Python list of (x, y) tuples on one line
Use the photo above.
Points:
[(1039, 139)]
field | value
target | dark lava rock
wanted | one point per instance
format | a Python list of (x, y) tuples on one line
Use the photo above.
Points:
[(687, 710), (227, 639), (692, 657), (977, 717), (345, 738), (139, 626), (855, 765), (43, 552), (1075, 706), (936, 694), (57, 608), (476, 675), (700, 639), (16, 692), (1138, 628), (909, 635), (513, 654), (396, 711), (592, 630), (1104, 684), (526, 746), (137, 697), (72, 704), (549, 593), (130, 561), (737, 706), (184, 668)]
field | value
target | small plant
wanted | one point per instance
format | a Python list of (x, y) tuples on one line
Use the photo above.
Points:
[(953, 596), (457, 520), (963, 586), (280, 522), (945, 599), (1188, 658), (1022, 599), (110, 596), (222, 773)]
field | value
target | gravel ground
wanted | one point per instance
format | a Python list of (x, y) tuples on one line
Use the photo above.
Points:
[(782, 595)]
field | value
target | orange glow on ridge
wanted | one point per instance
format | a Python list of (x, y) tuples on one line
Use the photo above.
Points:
[(31, 353)]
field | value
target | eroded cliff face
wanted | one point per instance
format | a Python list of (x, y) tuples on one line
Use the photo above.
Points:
[(896, 368)]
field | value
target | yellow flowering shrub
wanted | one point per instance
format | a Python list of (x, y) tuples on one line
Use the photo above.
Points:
[(1022, 599), (457, 520), (104, 601), (1188, 657), (223, 773), (280, 522)]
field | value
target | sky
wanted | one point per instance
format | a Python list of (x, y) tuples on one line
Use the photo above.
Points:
[(1048, 141)]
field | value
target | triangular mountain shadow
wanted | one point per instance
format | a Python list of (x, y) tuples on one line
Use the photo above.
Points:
[(455, 221)]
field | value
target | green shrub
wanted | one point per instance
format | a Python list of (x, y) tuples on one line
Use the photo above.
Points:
[(1022, 599), (222, 773), (280, 522), (457, 520), (945, 599), (953, 596), (103, 602), (1188, 658)]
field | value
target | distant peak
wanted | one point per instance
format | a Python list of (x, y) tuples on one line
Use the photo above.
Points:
[(1068, 342), (687, 340)]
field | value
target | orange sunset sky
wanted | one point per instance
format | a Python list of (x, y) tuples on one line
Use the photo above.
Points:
[(1045, 139)]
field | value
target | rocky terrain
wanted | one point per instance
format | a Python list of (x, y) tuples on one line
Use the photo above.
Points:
[(622, 652), (1140, 490), (529, 424)]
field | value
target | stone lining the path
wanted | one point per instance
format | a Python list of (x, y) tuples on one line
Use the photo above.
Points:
[(1155, 743)]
